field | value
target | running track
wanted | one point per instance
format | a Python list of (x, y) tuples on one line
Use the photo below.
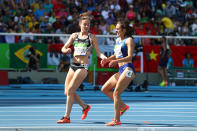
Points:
[(38, 107)]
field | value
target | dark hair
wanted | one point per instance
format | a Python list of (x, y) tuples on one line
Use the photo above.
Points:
[(164, 37), (126, 25), (187, 53)]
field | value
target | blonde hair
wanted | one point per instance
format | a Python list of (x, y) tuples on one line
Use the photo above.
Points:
[(85, 16)]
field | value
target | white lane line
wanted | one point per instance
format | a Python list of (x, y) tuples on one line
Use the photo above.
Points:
[(58, 100), (107, 115), (166, 120), (43, 111), (52, 104), (91, 126), (145, 108)]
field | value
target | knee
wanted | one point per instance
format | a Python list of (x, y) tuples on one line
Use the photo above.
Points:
[(116, 94), (70, 92), (65, 93), (105, 90)]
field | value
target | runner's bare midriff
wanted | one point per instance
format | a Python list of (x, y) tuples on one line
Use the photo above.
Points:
[(123, 63), (80, 59)]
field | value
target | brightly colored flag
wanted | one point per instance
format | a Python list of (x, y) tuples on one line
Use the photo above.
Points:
[(178, 54), (18, 51), (151, 55), (5, 56)]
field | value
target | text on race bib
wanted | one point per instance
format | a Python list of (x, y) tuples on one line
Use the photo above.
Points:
[(80, 49)]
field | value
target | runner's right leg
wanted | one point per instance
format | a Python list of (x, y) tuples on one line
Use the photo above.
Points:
[(109, 85)]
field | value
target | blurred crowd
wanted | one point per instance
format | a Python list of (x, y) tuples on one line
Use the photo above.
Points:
[(147, 17)]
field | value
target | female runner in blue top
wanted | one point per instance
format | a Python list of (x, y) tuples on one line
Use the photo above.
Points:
[(123, 53), (82, 41)]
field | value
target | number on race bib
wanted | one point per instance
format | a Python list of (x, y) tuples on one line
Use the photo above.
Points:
[(80, 51)]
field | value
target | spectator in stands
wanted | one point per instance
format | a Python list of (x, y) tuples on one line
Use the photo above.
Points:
[(58, 4), (123, 4), (58, 24), (47, 6), (73, 27), (164, 57), (2, 29), (10, 39), (130, 15), (44, 24), (112, 27), (123, 53), (110, 19), (96, 13), (91, 6), (34, 59), (39, 12), (170, 10), (140, 30), (28, 16), (105, 12), (114, 6), (27, 38), (62, 14), (82, 41), (185, 29), (194, 28), (22, 12), (188, 62), (33, 23), (168, 24), (144, 18), (94, 29), (194, 42), (52, 18), (170, 63), (34, 5), (103, 27), (180, 43)]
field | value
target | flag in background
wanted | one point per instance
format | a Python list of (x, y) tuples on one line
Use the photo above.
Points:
[(17, 54), (151, 55), (137, 63), (5, 56), (178, 54)]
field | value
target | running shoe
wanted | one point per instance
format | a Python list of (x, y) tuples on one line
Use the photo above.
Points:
[(166, 83), (64, 120), (85, 112), (113, 123), (124, 109), (162, 83)]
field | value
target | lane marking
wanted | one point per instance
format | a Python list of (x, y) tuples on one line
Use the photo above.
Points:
[(108, 115), (97, 120), (146, 122), (144, 108)]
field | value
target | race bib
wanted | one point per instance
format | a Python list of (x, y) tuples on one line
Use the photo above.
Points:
[(117, 50), (129, 73), (80, 49)]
